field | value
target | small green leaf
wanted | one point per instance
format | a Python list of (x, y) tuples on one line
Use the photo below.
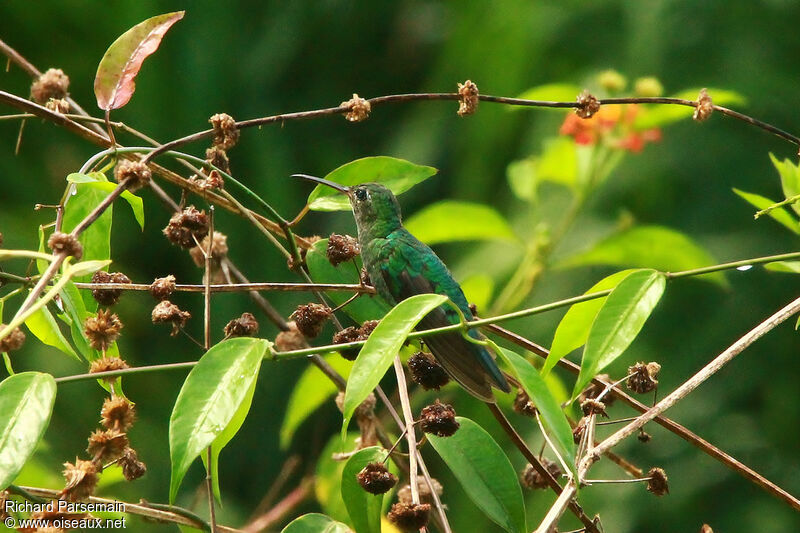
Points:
[(791, 267), (114, 82), (74, 314), (790, 179), (656, 116), (485, 474), (382, 346), (99, 181), (450, 220), (573, 330), (619, 321), (26, 403), (41, 264), (648, 247), (553, 418), (209, 400), (44, 326), (84, 268), (311, 391), (364, 508), (552, 92), (315, 523), (398, 175), (365, 307), (779, 214)]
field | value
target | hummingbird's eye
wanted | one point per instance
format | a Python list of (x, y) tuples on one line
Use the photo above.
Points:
[(361, 194)]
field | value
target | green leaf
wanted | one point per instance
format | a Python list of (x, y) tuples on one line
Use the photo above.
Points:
[(655, 247), (790, 179), (478, 289), (364, 508), (451, 220), (791, 267), (328, 477), (380, 349), (75, 314), (84, 268), (26, 403), (114, 82), (398, 175), (779, 214), (656, 116), (553, 418), (558, 163), (44, 326), (485, 473), (553, 92), (98, 180), (619, 320), (311, 391), (315, 523), (573, 330), (209, 400), (364, 307), (41, 264)]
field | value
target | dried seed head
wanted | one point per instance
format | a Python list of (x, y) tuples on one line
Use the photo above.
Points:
[(290, 339), (404, 494), (588, 105), (409, 516), (643, 378), (65, 243), (594, 407), (108, 297), (310, 318), (244, 326), (612, 81), (533, 480), (219, 249), (102, 330), (187, 228), (217, 156), (117, 413), (226, 135), (375, 479), (704, 106), (167, 312), (359, 108), (107, 364), (439, 419), (132, 467), (349, 334), (81, 480), (134, 174), (106, 446), (657, 484), (162, 288), (52, 84), (649, 86), (58, 105), (426, 372), (594, 389), (367, 328), (523, 404), (341, 248), (12, 341), (579, 430), (467, 98), (643, 436)]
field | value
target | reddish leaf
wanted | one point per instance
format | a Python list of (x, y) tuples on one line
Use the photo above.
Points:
[(114, 83)]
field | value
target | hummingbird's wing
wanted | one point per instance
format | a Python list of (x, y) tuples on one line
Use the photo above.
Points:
[(411, 268)]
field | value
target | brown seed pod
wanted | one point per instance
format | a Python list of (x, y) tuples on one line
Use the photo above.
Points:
[(219, 249), (404, 494), (107, 445), (341, 248), (705, 106), (349, 334), (166, 312), (219, 158), (81, 480), (226, 135), (467, 98), (244, 326), (310, 318), (117, 413), (58, 105), (290, 339), (102, 330), (426, 372), (162, 288), (367, 328), (134, 174), (186, 227), (65, 243), (376, 479), (594, 407), (657, 484), (523, 404), (359, 108), (107, 364), (52, 84), (644, 436), (533, 480), (108, 297), (643, 378), (588, 105), (12, 341), (409, 516), (439, 419), (132, 467)]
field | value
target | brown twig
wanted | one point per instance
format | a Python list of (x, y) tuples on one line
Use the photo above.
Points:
[(292, 500)]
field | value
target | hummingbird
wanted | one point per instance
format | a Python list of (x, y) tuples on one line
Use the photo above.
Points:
[(400, 266)]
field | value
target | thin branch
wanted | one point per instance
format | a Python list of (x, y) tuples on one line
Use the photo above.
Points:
[(292, 500), (236, 287), (411, 436)]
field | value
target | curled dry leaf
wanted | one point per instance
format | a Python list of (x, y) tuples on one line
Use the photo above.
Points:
[(114, 83)]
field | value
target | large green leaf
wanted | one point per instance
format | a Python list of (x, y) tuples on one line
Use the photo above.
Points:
[(44, 326), (315, 523), (382, 346), (779, 214), (451, 220), (364, 508), (485, 473), (26, 402), (309, 393), (364, 307), (657, 116), (398, 175), (648, 247), (210, 399), (573, 330), (99, 181), (619, 321), (553, 418), (790, 179)]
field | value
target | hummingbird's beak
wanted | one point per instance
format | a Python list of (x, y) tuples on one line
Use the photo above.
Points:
[(332, 185)]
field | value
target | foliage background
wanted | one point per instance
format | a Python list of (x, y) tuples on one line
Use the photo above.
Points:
[(253, 59)]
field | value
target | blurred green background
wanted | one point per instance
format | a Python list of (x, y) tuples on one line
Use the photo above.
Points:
[(253, 59)]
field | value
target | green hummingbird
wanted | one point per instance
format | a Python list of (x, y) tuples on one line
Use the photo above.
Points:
[(400, 266)]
